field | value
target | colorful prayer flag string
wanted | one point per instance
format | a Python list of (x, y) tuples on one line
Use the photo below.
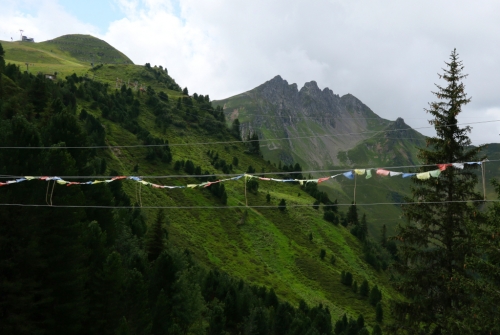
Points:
[(348, 174)]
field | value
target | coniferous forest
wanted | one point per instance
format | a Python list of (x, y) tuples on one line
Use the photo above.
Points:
[(87, 270)]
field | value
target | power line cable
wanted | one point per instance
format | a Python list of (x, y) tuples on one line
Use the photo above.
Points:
[(229, 142), (244, 206), (256, 174)]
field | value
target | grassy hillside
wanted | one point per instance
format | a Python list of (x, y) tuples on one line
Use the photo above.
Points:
[(262, 245)]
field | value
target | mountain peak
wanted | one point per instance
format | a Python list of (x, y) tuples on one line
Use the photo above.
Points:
[(89, 49), (311, 84), (277, 80)]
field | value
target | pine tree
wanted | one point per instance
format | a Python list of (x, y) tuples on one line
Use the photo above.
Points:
[(217, 320), (322, 254), (282, 205), (364, 289), (379, 312), (355, 287), (235, 129), (363, 228), (161, 321), (352, 215), (348, 278), (2, 60), (156, 242), (383, 236), (377, 330), (442, 271), (375, 296)]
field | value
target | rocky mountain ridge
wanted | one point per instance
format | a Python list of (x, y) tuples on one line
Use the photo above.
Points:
[(308, 125)]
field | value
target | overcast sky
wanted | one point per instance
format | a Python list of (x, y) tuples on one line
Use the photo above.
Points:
[(386, 53)]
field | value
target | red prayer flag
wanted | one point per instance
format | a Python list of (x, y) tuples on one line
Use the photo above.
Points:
[(382, 172), (443, 167), (320, 180)]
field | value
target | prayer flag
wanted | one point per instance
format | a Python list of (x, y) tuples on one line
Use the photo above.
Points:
[(423, 175), (368, 174), (349, 175), (443, 167), (382, 172), (435, 173), (320, 180)]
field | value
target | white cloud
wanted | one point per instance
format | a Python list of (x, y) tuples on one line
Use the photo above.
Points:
[(42, 20), (386, 53)]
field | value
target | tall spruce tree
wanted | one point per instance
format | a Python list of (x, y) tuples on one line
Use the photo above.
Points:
[(156, 241), (440, 272)]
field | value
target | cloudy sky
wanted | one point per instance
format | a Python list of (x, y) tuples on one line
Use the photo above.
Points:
[(385, 52)]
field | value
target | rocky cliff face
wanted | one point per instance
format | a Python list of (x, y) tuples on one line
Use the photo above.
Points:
[(310, 125)]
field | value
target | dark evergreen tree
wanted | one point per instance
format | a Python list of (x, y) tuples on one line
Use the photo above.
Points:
[(235, 129), (383, 236), (379, 312), (363, 228), (443, 273), (161, 320), (156, 239), (355, 287), (352, 215), (136, 307), (341, 325), (123, 328), (282, 205), (322, 254), (217, 321), (375, 296), (364, 289), (348, 279), (363, 331), (360, 322), (108, 295), (2, 61), (187, 302), (253, 144), (330, 217), (377, 330)]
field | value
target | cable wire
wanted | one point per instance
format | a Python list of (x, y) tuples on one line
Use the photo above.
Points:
[(256, 174), (229, 142), (244, 206)]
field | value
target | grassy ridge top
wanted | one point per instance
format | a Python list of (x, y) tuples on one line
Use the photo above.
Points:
[(65, 55), (87, 49)]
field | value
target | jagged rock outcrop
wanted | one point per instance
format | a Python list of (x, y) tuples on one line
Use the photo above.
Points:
[(310, 126)]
